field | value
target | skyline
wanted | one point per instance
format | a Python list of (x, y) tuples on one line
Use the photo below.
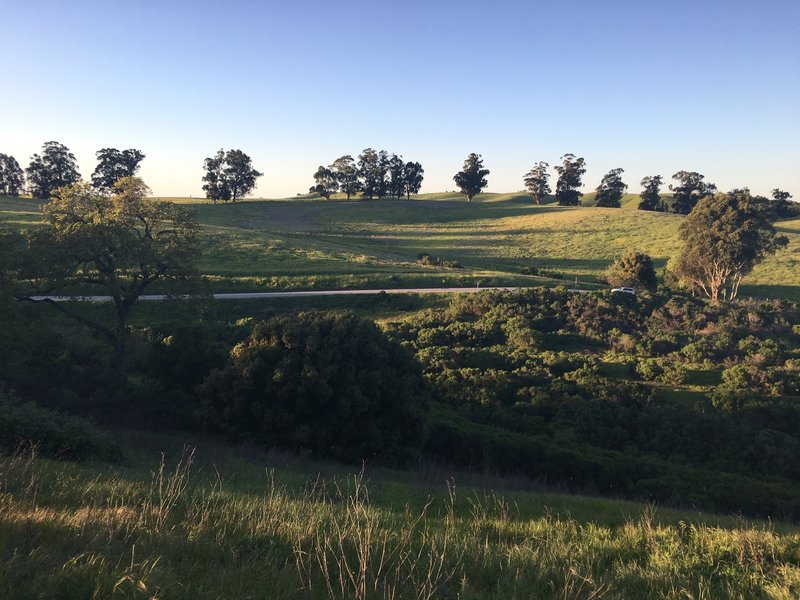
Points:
[(652, 89)]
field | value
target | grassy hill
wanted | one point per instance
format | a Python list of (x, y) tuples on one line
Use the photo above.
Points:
[(497, 238), (219, 522)]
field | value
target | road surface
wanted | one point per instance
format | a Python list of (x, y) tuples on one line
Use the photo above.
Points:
[(298, 294)]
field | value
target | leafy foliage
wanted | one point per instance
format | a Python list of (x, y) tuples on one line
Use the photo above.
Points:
[(325, 183), (54, 168), (12, 178), (113, 165), (650, 195), (569, 180), (346, 173), (536, 182), (610, 190), (634, 269), (120, 243), (689, 190), (472, 178), (229, 175), (724, 237), (333, 385)]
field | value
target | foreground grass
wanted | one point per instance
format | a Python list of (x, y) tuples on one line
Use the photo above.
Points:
[(220, 526)]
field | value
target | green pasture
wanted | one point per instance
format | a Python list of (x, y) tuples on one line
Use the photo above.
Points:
[(497, 239)]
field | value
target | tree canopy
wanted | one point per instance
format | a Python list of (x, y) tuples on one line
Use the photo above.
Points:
[(610, 190), (327, 383), (472, 178), (634, 269), (725, 236), (569, 180), (12, 178), (229, 175), (536, 181), (113, 165), (346, 173), (325, 183), (650, 197), (119, 243), (54, 168), (689, 190)]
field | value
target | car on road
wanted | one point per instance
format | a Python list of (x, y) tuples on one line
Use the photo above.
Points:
[(623, 290)]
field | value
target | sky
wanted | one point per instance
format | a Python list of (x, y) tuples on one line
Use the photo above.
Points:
[(652, 87)]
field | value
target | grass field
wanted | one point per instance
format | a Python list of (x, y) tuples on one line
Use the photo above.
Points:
[(224, 523), (311, 243)]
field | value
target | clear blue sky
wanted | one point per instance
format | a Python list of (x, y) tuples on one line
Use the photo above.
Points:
[(652, 87)]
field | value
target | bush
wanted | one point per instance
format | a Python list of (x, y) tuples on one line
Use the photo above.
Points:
[(633, 269), (53, 434), (333, 385)]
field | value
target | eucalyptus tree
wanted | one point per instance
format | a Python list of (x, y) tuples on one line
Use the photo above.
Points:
[(725, 236), (689, 190), (12, 178), (569, 180), (113, 165), (536, 182), (609, 192), (55, 167), (472, 178), (650, 197)]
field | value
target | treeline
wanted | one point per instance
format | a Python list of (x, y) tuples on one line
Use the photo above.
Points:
[(376, 174), (689, 188)]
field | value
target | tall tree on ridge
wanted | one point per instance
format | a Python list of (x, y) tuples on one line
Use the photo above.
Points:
[(569, 180), (472, 178), (610, 190), (113, 165), (54, 168), (536, 181)]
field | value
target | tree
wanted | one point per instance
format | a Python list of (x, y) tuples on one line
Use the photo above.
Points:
[(472, 178), (651, 196), (397, 176), (414, 175), (332, 384), (372, 169), (782, 206), (229, 175), (536, 182), (569, 180), (119, 243), (113, 165), (12, 177), (634, 269), (56, 167), (610, 190), (724, 237), (689, 191), (346, 173), (326, 183)]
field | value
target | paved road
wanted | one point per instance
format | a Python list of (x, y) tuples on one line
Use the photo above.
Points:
[(308, 294)]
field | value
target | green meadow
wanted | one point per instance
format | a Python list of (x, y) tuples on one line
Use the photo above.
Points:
[(498, 239)]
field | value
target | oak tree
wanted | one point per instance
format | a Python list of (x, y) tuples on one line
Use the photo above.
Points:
[(120, 244)]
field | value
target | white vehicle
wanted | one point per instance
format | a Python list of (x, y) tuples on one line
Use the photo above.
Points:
[(623, 290)]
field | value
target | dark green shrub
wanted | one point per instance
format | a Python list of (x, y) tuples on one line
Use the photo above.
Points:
[(54, 435), (633, 269), (330, 384)]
